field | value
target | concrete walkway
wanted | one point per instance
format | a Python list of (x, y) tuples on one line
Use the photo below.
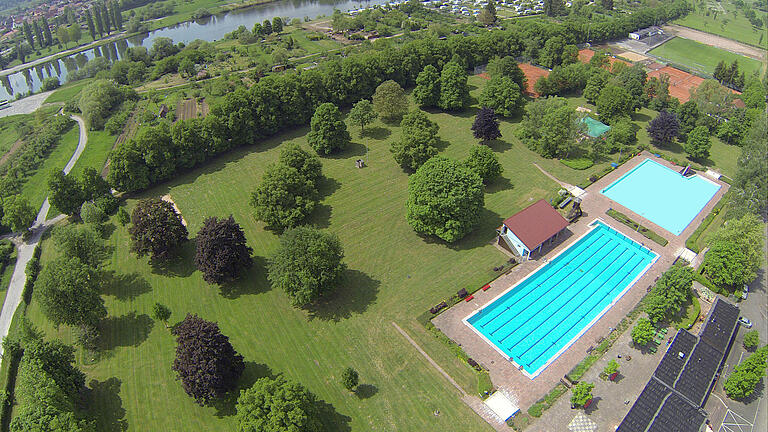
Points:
[(28, 105), (26, 249)]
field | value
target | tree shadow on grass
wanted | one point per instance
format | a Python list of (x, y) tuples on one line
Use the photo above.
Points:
[(326, 186), (469, 112), (499, 185), (441, 144), (226, 405), (106, 406), (354, 295), (331, 419), (124, 286), (365, 391), (354, 149), (181, 264), (498, 146), (377, 133), (640, 117), (253, 281), (482, 234), (321, 216), (126, 330)]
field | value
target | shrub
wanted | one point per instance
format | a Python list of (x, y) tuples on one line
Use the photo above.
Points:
[(643, 332), (581, 394), (751, 340)]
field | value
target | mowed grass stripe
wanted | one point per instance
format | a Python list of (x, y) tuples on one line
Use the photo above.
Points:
[(703, 57)]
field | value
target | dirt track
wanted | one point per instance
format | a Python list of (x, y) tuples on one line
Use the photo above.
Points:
[(716, 41)]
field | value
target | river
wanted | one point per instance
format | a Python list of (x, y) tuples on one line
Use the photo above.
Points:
[(208, 29)]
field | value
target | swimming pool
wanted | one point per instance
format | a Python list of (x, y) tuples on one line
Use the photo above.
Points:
[(538, 318), (662, 195)]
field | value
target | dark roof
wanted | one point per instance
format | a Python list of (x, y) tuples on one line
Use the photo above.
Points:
[(645, 407), (677, 415), (721, 323), (699, 372), (671, 364), (536, 224)]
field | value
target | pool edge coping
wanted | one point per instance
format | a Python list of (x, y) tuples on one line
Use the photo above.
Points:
[(592, 226)]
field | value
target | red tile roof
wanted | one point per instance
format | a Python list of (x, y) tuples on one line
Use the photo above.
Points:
[(536, 224)]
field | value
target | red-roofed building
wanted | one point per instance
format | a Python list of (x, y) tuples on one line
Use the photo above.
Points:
[(527, 230)]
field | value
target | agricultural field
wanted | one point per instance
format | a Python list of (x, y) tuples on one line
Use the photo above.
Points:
[(393, 275), (702, 57), (728, 22)]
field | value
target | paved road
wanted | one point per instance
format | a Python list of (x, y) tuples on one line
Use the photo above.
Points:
[(28, 105), (25, 249)]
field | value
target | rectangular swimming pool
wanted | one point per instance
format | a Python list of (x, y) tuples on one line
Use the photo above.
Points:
[(662, 195), (537, 319)]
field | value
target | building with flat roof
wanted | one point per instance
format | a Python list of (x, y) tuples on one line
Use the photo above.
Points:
[(527, 230)]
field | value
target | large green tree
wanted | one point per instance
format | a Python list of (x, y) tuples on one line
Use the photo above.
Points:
[(307, 265), (418, 141), (454, 90), (504, 96), (17, 213), (427, 91), (68, 292), (698, 143), (284, 198), (65, 193), (362, 113), (670, 293), (328, 132), (444, 199), (500, 67), (643, 332), (390, 101), (277, 405), (80, 241), (735, 253), (742, 382), (483, 161), (614, 103)]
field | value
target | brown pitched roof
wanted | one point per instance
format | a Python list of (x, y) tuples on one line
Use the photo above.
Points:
[(535, 224)]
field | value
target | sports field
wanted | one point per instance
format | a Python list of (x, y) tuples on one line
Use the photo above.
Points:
[(702, 57), (733, 24), (394, 275)]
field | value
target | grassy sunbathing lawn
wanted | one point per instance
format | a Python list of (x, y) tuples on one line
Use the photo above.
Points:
[(702, 57), (96, 151), (393, 276), (733, 25)]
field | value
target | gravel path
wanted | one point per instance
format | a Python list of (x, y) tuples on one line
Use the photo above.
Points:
[(25, 249), (28, 105), (716, 41)]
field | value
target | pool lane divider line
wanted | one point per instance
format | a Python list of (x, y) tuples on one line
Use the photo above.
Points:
[(593, 225)]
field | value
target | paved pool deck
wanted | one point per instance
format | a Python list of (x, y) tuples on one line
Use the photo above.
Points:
[(594, 205)]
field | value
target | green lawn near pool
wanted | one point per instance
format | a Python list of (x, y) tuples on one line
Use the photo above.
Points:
[(702, 57)]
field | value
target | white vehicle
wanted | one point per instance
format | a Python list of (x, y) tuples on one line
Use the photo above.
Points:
[(745, 322)]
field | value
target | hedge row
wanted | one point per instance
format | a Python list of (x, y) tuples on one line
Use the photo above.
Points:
[(647, 233)]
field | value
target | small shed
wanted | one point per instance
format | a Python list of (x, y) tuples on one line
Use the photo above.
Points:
[(595, 129), (529, 229)]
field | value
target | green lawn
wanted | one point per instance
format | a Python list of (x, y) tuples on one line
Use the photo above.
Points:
[(736, 27), (9, 132), (702, 57), (5, 276), (96, 151), (394, 275), (36, 187), (67, 92)]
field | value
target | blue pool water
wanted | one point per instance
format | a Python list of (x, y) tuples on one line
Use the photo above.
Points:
[(662, 195), (538, 318)]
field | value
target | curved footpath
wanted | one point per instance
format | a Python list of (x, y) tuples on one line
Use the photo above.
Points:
[(25, 249)]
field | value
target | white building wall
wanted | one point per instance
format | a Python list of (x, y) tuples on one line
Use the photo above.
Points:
[(513, 241)]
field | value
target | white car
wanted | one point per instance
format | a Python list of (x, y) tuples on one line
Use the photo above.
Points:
[(745, 322)]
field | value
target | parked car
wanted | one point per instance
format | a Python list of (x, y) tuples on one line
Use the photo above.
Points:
[(745, 293), (745, 322)]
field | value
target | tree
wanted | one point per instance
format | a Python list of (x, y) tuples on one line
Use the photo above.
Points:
[(307, 265), (222, 253), (277, 405), (47, 32), (75, 33), (38, 34), (504, 96), (607, 4), (444, 199), (277, 24), (488, 14), (17, 213), (485, 126), (427, 91), (418, 141), (554, 7), (746, 375), (596, 82), (362, 113), (483, 161), (162, 313), (68, 292), (670, 293), (663, 129), (62, 34), (349, 378), (688, 116), (621, 136), (65, 193), (550, 127), (92, 184), (721, 71), (27, 29), (500, 67), (97, 18), (614, 102), (581, 394), (105, 18), (89, 21), (267, 26), (328, 132), (97, 100), (123, 217), (307, 164), (284, 198), (454, 91), (698, 144), (611, 368), (735, 253), (156, 229), (643, 332), (551, 54), (81, 242), (206, 363), (390, 101), (751, 340)]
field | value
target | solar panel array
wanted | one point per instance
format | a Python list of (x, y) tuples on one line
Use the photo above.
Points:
[(699, 373), (677, 415), (672, 363), (719, 329), (645, 407)]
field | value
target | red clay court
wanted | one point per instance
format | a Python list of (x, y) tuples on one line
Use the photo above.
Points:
[(585, 55), (532, 74), (680, 83)]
